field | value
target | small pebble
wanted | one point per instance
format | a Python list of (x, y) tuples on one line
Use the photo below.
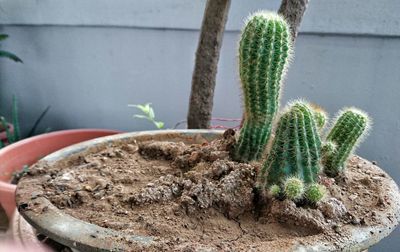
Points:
[(88, 188), (353, 197)]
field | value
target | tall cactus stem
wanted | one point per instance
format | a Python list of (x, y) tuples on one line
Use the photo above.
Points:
[(264, 52)]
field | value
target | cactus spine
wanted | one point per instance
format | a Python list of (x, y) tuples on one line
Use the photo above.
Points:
[(315, 192), (321, 117), (264, 52), (350, 127), (295, 153)]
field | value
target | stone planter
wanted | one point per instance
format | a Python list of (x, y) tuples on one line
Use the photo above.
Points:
[(27, 152), (81, 235)]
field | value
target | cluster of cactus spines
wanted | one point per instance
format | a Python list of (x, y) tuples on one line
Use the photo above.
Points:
[(328, 149), (295, 151), (349, 129), (293, 188), (315, 192), (321, 117), (264, 53), (275, 191)]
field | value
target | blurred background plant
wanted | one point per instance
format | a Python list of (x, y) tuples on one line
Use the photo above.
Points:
[(147, 114), (6, 54), (10, 129)]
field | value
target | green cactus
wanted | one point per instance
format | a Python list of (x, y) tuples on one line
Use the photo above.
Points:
[(328, 148), (296, 147), (294, 188), (315, 192), (321, 117), (264, 53), (350, 128), (275, 191), (295, 152)]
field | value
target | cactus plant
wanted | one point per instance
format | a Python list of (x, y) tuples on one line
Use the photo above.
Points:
[(275, 190), (295, 152), (349, 129), (264, 53), (293, 188), (321, 117), (315, 192)]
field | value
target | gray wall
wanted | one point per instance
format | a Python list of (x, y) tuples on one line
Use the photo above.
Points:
[(89, 59)]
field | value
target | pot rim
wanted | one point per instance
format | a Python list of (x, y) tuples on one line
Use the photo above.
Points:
[(85, 236), (27, 151), (60, 133)]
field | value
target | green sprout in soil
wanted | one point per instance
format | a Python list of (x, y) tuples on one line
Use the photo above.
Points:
[(147, 114)]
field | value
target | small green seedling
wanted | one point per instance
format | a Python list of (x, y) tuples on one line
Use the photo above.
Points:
[(148, 114)]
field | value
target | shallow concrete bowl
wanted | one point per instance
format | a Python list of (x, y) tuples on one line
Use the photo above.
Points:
[(84, 236)]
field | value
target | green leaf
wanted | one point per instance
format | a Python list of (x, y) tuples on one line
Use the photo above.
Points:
[(147, 108), (37, 122), (159, 125), (5, 54), (140, 116), (151, 113), (148, 114), (3, 37), (143, 107), (15, 120)]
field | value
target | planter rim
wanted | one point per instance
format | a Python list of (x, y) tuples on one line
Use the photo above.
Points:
[(23, 142), (29, 150), (51, 134), (85, 236)]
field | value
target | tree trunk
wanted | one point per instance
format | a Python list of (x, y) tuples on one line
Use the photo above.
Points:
[(205, 70), (293, 11)]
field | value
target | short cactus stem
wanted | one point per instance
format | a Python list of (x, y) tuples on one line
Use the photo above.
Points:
[(264, 53), (275, 191), (350, 128), (320, 115), (315, 192), (295, 151), (294, 188)]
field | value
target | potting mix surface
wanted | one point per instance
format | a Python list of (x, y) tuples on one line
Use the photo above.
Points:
[(194, 197)]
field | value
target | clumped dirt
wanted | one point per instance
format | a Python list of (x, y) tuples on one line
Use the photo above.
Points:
[(194, 198)]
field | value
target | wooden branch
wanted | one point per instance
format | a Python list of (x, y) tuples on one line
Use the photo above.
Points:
[(293, 11), (205, 70)]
